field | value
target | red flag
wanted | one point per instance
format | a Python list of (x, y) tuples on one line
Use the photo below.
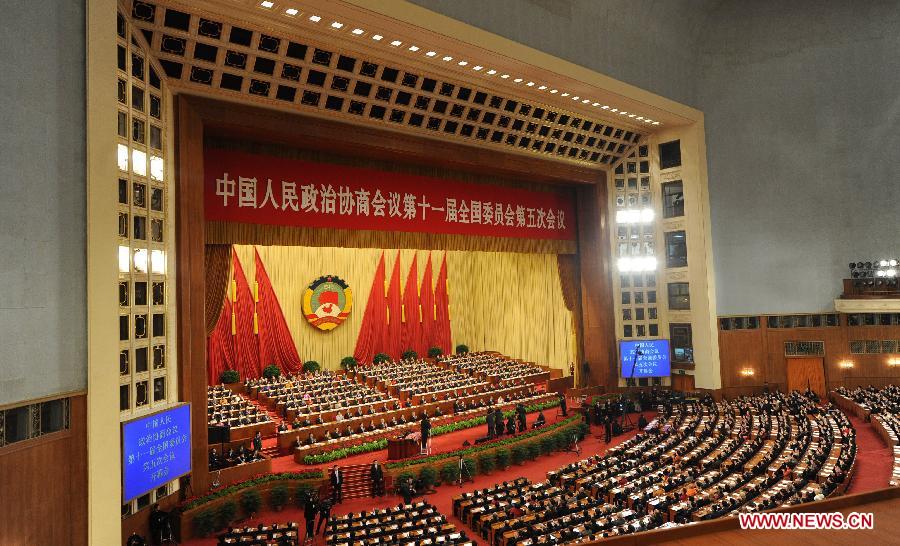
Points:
[(410, 333), (426, 304), (371, 333), (390, 341), (442, 308)]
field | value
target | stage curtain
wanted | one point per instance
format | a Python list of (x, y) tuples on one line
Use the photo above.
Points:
[(370, 332), (567, 269), (426, 304), (217, 261), (410, 330), (276, 346), (220, 346), (442, 333), (246, 347), (391, 340), (511, 303)]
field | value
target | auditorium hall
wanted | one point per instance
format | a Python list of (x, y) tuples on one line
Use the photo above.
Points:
[(449, 272)]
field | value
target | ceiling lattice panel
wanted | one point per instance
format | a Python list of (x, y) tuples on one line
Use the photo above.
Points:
[(209, 54)]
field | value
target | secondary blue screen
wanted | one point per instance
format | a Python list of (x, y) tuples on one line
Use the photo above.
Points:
[(155, 450), (654, 360)]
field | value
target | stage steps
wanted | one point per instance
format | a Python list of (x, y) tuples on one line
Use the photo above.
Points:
[(357, 483)]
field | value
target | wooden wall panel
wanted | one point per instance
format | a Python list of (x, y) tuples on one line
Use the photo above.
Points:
[(763, 351), (43, 484)]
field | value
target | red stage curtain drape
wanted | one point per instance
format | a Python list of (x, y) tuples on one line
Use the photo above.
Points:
[(390, 341), (410, 331), (371, 332), (276, 346), (246, 349), (442, 309), (426, 302), (219, 346)]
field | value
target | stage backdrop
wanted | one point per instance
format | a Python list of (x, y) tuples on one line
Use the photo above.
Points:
[(507, 302)]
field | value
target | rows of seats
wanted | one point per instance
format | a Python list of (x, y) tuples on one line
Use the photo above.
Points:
[(419, 524), (276, 534), (697, 460), (494, 366), (883, 407), (224, 408), (421, 378)]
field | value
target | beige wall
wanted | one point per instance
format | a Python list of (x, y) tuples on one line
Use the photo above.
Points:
[(501, 301)]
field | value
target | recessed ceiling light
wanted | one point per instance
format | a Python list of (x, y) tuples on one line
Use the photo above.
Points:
[(640, 118), (655, 123), (377, 37), (315, 18), (613, 109), (395, 43), (337, 25), (492, 72), (595, 104), (267, 4), (413, 48), (504, 76), (447, 58), (576, 97), (518, 80), (554, 91), (631, 115), (292, 11), (530, 84), (431, 54), (463, 63), (605, 107), (565, 95), (585, 101), (357, 31), (542, 87), (623, 113), (477, 67)]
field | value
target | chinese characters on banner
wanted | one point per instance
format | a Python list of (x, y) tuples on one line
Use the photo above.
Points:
[(259, 189)]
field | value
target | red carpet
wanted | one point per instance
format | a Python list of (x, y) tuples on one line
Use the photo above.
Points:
[(443, 498), (874, 459)]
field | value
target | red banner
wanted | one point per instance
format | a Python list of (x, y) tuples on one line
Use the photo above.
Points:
[(260, 189)]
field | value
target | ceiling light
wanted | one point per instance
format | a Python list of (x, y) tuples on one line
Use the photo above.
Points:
[(336, 24), (605, 107), (315, 18), (623, 113), (492, 72), (477, 67), (564, 95), (640, 118), (357, 31), (892, 263), (554, 91), (585, 101), (576, 97), (395, 43), (267, 4), (413, 48), (596, 104), (447, 58), (613, 110), (504, 76), (542, 87), (883, 263), (430, 54), (377, 37), (292, 11), (530, 84), (463, 63), (655, 123), (631, 115)]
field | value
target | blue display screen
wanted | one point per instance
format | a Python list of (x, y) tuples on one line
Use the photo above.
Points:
[(653, 358), (155, 450)]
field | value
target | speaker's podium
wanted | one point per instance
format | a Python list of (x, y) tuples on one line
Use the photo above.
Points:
[(403, 447)]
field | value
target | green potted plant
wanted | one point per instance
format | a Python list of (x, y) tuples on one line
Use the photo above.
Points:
[(469, 465), (271, 371), (503, 457), (311, 366), (250, 502), (435, 352), (486, 463), (449, 473), (278, 496), (204, 522), (462, 349), (532, 450), (517, 454), (227, 513), (547, 445), (381, 358), (229, 376), (409, 354), (349, 363), (428, 477)]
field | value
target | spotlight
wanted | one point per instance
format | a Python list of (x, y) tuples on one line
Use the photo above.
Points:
[(883, 263), (892, 263)]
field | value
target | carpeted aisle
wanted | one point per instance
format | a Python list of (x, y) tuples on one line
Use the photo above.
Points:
[(442, 499), (874, 459)]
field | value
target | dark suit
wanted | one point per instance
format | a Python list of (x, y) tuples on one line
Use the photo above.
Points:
[(337, 485), (376, 473)]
